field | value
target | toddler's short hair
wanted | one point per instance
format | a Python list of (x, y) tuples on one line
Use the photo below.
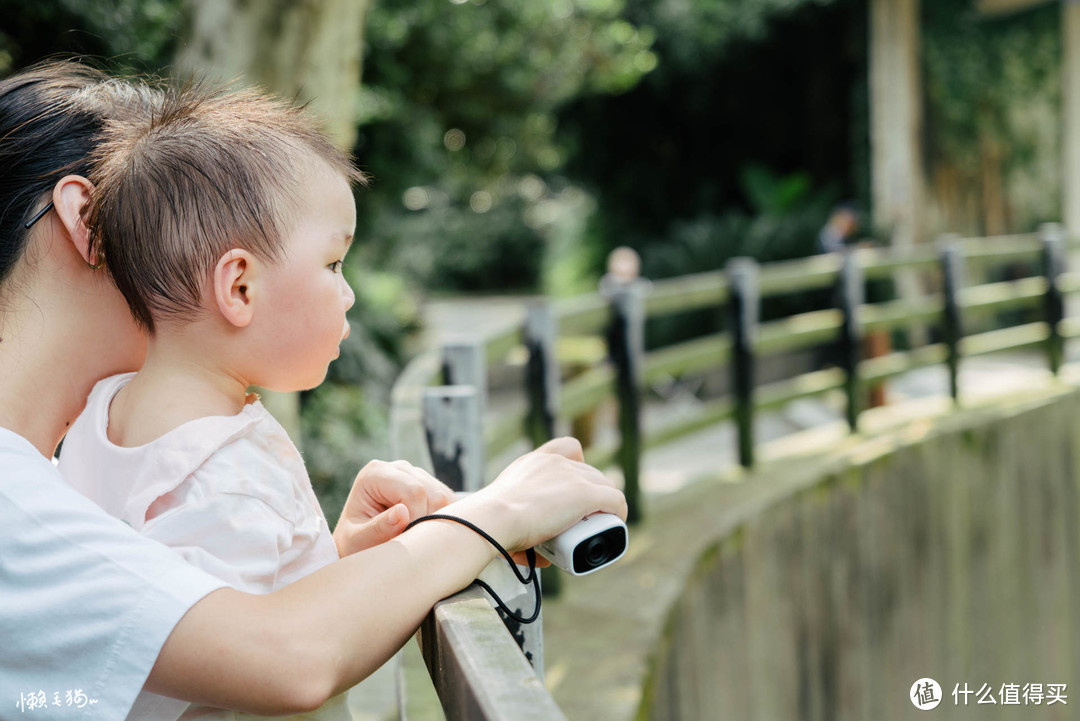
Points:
[(212, 170)]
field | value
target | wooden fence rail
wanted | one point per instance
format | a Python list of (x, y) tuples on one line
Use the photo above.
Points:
[(463, 635)]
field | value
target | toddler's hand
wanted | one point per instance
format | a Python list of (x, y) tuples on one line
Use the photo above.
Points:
[(385, 496)]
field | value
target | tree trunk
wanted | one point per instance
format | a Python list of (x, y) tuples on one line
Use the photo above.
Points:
[(896, 132), (311, 50), (1070, 125)]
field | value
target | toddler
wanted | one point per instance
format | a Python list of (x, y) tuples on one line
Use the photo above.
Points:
[(224, 220)]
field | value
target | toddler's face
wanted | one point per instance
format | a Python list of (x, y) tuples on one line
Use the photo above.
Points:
[(303, 311)]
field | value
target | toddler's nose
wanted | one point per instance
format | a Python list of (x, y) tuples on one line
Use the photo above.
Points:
[(350, 296)]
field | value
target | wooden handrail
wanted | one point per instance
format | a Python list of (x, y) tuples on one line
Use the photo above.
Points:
[(477, 668)]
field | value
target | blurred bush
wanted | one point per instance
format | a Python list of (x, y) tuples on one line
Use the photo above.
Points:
[(459, 248), (783, 223)]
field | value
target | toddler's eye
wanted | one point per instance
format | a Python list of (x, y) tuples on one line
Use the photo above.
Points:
[(335, 266)]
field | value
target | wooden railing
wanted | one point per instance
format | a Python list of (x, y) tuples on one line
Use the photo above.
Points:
[(446, 429)]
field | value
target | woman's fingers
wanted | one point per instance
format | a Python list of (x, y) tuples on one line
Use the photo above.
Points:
[(539, 495), (565, 446), (612, 500), (521, 558)]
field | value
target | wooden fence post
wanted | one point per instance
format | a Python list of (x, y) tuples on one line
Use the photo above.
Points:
[(541, 372), (456, 440), (952, 269), (542, 382), (743, 314), (464, 364), (1052, 236), (455, 435), (626, 343), (851, 294)]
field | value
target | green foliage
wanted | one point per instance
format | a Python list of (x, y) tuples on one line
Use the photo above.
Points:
[(699, 32), (978, 70), (769, 193), (136, 35), (460, 127), (993, 88)]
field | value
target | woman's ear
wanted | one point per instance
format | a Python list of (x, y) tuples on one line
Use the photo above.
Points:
[(69, 198), (232, 286)]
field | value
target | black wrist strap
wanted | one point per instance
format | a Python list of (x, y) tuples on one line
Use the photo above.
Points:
[(533, 577)]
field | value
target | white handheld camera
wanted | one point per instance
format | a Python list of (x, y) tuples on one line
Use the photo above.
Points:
[(587, 546)]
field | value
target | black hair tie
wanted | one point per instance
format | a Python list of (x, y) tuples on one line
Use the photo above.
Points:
[(530, 554)]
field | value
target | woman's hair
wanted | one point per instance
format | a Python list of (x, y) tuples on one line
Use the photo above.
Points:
[(51, 118), (213, 169)]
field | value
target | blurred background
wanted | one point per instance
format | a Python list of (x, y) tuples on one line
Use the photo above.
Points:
[(514, 144)]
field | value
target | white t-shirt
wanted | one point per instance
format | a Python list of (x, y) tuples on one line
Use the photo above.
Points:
[(228, 493), (85, 602)]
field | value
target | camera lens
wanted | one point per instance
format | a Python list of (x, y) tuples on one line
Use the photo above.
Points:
[(599, 550), (596, 552)]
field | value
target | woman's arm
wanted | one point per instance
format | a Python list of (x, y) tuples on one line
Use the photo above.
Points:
[(291, 650)]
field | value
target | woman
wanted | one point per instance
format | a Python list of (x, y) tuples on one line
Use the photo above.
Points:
[(90, 606)]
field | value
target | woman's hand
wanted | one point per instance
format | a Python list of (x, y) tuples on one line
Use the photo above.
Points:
[(540, 495), (384, 498)]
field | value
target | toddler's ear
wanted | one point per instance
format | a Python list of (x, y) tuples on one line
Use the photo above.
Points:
[(231, 284)]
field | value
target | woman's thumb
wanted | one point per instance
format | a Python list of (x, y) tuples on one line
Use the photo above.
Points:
[(565, 446)]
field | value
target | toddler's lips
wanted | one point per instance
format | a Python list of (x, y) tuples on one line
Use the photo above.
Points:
[(348, 330)]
